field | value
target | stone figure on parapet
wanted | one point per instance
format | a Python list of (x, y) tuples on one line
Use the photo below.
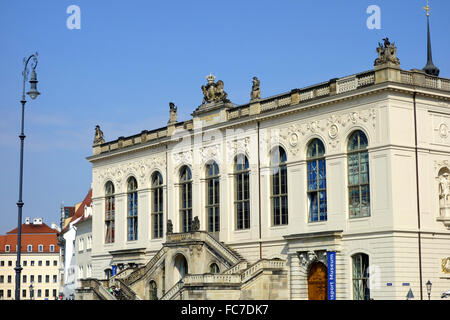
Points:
[(256, 90), (213, 92), (169, 227), (195, 224), (172, 113), (387, 53), (98, 139)]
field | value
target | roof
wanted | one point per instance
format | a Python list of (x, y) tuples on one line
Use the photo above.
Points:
[(79, 213), (32, 234), (34, 228)]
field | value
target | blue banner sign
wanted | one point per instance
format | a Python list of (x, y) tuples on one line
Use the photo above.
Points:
[(331, 257), (113, 270)]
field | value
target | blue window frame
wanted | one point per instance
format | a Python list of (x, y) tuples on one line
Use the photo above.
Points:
[(317, 181)]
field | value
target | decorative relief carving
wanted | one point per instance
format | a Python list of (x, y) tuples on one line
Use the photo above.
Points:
[(443, 130), (210, 152), (182, 157), (308, 257), (140, 169), (237, 146), (333, 124), (446, 265)]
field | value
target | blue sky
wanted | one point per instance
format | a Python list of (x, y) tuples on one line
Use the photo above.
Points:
[(131, 58)]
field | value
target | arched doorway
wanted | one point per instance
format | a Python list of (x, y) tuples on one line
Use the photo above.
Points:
[(317, 282), (181, 267)]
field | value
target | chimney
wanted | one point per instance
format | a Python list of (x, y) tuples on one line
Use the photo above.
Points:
[(37, 221), (27, 220)]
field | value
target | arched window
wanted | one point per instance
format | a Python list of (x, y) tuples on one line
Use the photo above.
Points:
[(279, 187), (132, 212), (214, 268), (317, 181), (358, 175), (213, 197), (185, 199), (157, 207), (242, 192), (109, 212), (360, 276), (153, 290)]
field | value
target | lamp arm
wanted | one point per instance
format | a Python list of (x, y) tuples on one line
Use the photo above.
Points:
[(35, 60)]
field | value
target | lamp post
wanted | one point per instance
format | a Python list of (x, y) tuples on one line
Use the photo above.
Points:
[(429, 284), (33, 93)]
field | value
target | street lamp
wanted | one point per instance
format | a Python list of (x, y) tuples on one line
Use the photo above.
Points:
[(31, 291), (429, 284), (33, 93)]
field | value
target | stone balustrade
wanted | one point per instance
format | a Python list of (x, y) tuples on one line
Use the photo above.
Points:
[(295, 97)]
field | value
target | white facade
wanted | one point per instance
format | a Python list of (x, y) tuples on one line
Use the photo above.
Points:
[(391, 110), (78, 244)]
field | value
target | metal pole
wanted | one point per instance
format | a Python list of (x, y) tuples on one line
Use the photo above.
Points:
[(20, 203), (18, 268)]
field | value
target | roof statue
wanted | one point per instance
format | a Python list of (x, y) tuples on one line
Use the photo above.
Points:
[(173, 113), (387, 53), (213, 92), (256, 90), (98, 139)]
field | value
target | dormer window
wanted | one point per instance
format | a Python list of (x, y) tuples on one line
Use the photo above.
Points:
[(30, 248), (7, 248), (40, 248)]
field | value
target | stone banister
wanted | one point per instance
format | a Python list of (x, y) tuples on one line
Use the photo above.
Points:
[(208, 239), (96, 286), (140, 272), (172, 291), (224, 278)]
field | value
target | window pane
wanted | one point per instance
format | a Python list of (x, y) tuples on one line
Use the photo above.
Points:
[(313, 206), (322, 174), (284, 210), (246, 186), (353, 142), (275, 183), (247, 214), (276, 210), (353, 169), (364, 167), (283, 170), (323, 205), (365, 201)]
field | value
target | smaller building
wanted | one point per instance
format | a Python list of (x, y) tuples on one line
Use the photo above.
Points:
[(77, 235), (39, 260)]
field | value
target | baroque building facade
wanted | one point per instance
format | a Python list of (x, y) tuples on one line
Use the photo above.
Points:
[(339, 190)]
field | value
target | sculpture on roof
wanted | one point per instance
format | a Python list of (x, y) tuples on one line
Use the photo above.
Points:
[(213, 92), (387, 53), (256, 91), (173, 113), (98, 138)]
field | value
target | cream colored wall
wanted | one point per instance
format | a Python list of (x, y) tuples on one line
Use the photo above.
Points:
[(387, 120), (27, 271)]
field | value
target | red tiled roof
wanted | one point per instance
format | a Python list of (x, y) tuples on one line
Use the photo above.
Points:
[(35, 239), (34, 228)]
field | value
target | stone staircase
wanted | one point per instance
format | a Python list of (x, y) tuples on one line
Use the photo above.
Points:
[(233, 279)]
